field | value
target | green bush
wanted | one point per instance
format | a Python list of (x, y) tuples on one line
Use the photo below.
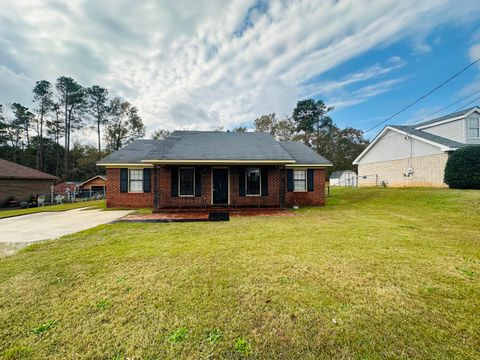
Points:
[(463, 168)]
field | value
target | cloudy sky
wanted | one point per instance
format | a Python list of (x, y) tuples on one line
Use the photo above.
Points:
[(204, 64)]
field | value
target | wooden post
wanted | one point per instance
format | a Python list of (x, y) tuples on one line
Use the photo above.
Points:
[(156, 198)]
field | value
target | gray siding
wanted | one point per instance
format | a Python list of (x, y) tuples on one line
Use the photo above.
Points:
[(453, 130), (394, 146)]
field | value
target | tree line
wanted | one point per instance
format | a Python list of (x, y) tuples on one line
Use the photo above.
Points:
[(311, 123), (40, 137)]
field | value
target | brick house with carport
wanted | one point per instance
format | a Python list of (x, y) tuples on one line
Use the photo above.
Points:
[(22, 183), (211, 169)]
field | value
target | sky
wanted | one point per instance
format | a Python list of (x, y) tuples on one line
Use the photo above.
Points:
[(202, 65)]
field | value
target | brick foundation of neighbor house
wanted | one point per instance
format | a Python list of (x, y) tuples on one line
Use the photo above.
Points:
[(161, 177), (427, 171)]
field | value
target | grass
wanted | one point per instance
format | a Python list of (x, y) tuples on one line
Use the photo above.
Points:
[(377, 273), (52, 208)]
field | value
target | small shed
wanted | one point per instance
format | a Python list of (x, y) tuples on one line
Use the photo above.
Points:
[(21, 183), (343, 178), (98, 183)]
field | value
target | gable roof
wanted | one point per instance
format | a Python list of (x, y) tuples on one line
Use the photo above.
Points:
[(415, 131), (93, 178), (11, 170), (456, 114), (214, 146), (440, 140)]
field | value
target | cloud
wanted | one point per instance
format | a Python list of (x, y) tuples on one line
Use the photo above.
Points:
[(369, 73), (204, 64), (474, 52), (364, 93)]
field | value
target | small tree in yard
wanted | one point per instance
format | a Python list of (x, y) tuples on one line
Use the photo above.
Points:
[(463, 168)]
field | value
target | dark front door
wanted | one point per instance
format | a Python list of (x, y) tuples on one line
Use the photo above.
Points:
[(220, 186)]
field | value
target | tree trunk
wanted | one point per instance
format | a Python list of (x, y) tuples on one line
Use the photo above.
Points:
[(65, 163), (98, 133)]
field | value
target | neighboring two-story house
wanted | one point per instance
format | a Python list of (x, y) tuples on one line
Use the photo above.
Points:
[(210, 169), (402, 155)]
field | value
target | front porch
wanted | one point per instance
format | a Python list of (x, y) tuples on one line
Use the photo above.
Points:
[(218, 188)]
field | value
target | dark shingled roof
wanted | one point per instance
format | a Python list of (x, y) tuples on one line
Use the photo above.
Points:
[(427, 136), (303, 154), (452, 115), (214, 145), (11, 170), (134, 152)]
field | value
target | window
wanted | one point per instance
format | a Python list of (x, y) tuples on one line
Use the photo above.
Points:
[(474, 128), (135, 180), (253, 181), (186, 179), (300, 180)]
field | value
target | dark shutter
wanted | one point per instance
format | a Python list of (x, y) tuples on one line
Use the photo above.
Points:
[(289, 180), (241, 181), (264, 174), (123, 180), (174, 182), (310, 180), (147, 175), (198, 181)]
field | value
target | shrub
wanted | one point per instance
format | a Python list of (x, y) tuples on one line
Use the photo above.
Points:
[(463, 168)]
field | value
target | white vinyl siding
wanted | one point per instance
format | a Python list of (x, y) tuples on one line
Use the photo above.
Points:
[(453, 130), (135, 180), (395, 146)]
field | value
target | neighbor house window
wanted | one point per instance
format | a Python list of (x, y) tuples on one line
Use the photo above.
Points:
[(253, 181), (186, 179), (300, 180), (474, 128), (135, 180)]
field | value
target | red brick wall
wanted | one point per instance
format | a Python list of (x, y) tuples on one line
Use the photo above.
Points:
[(136, 200), (165, 191), (115, 198), (272, 199), (310, 198), (22, 189)]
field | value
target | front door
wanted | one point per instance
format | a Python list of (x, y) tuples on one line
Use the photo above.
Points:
[(220, 186)]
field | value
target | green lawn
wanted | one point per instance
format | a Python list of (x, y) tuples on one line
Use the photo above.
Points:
[(377, 273), (63, 207)]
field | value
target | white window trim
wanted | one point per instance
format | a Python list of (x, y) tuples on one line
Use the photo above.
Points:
[(306, 180), (134, 192), (260, 181), (179, 187), (468, 128)]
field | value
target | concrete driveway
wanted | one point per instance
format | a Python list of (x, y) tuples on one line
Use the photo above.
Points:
[(20, 231)]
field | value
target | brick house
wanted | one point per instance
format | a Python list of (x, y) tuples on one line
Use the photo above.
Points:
[(22, 183), (202, 169), (416, 155)]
